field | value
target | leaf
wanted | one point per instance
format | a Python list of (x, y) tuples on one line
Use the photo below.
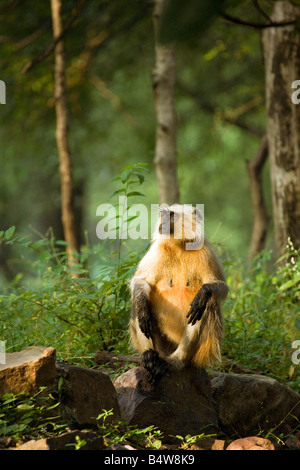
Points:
[(125, 175), (24, 407), (287, 285), (135, 193), (297, 323), (185, 20), (9, 232)]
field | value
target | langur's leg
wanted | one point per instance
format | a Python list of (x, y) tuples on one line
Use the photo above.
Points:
[(155, 365), (144, 330)]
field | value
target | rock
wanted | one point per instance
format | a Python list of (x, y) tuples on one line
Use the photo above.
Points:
[(86, 393), (25, 371), (209, 443), (247, 404), (251, 443), (7, 442), (180, 404), (292, 443), (39, 444), (65, 441)]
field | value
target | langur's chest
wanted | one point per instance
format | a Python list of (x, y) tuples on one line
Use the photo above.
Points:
[(173, 294), (178, 281)]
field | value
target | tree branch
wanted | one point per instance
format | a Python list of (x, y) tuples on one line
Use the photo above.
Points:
[(233, 19), (52, 46), (210, 108)]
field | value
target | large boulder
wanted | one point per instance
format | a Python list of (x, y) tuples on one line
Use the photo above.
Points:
[(85, 394), (249, 404), (28, 370), (180, 404)]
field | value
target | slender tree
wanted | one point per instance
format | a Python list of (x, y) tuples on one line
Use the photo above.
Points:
[(64, 154), (282, 67), (164, 80)]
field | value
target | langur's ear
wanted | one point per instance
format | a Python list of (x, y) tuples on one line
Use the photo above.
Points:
[(164, 208)]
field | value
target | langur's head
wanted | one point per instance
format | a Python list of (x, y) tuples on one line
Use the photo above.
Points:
[(182, 223)]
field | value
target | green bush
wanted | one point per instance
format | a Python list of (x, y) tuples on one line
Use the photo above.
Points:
[(262, 314), (78, 315), (22, 415)]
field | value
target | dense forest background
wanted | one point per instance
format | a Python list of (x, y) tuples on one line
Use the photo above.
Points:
[(221, 115), (110, 58)]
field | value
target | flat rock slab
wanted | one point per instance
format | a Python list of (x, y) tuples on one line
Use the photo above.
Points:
[(28, 370), (180, 404)]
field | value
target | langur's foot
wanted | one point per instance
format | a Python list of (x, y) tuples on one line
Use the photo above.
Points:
[(155, 365)]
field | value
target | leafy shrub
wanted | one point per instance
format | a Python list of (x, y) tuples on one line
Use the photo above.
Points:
[(22, 415), (76, 316), (262, 314)]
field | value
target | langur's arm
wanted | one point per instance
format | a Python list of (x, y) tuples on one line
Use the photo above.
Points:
[(147, 275), (140, 290), (213, 290)]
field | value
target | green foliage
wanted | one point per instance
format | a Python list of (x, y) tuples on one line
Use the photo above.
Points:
[(24, 415), (188, 440), (117, 432), (262, 315), (75, 316)]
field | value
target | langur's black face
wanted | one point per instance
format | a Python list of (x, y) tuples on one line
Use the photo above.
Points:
[(167, 221)]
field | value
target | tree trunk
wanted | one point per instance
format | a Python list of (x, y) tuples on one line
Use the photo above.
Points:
[(64, 154), (164, 79), (260, 216), (282, 67)]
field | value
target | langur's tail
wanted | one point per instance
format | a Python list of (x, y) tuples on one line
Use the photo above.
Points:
[(211, 330)]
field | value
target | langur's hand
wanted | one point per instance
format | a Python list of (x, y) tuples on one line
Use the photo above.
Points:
[(198, 305)]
